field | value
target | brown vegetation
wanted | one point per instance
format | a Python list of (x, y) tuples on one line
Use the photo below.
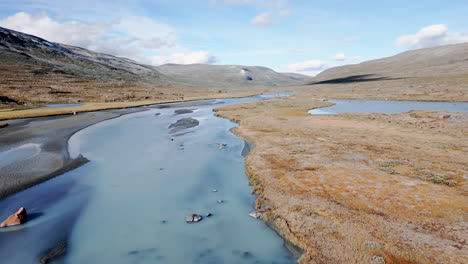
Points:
[(436, 88), (359, 188), (6, 114)]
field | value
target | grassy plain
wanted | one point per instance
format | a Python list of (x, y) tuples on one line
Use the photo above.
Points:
[(359, 188)]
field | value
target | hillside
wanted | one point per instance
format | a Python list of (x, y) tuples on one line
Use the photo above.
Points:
[(35, 70), (228, 76), (430, 74), (446, 60)]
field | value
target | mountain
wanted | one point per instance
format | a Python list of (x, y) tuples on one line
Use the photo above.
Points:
[(228, 76), (445, 60), (35, 69)]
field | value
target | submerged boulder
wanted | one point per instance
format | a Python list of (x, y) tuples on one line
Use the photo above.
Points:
[(18, 218), (183, 123)]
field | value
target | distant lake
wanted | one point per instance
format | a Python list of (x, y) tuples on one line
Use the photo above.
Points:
[(387, 107)]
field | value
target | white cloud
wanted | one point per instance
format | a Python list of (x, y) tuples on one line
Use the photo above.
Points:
[(431, 36), (268, 19), (185, 58), (133, 37), (263, 20), (340, 57), (306, 66)]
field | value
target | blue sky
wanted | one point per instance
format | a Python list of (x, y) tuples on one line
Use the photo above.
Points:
[(296, 36)]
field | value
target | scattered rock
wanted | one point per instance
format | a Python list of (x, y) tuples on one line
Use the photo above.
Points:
[(163, 221), (255, 214), (371, 244), (157, 114), (221, 146), (183, 111), (54, 253), (183, 123), (7, 100), (446, 116), (214, 190), (247, 255), (18, 218), (208, 214), (194, 218), (220, 201), (3, 125), (377, 260)]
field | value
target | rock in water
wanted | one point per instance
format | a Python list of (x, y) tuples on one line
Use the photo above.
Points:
[(183, 123), (194, 218), (18, 218), (255, 214), (183, 111)]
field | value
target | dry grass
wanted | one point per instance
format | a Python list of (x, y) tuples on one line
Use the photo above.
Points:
[(435, 88), (335, 184)]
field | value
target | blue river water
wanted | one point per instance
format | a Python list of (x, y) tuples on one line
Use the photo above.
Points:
[(130, 202)]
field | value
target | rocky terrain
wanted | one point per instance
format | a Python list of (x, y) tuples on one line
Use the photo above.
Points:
[(34, 70)]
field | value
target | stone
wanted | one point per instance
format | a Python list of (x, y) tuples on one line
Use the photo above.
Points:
[(194, 218), (208, 215), (18, 218), (214, 190), (220, 201), (255, 214)]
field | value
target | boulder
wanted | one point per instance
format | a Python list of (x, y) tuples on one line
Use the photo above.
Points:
[(255, 214), (18, 218), (194, 218)]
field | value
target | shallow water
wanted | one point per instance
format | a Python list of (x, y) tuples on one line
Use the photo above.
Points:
[(22, 152), (58, 106), (388, 107), (132, 198)]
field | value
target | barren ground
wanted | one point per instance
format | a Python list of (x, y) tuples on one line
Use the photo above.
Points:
[(360, 188)]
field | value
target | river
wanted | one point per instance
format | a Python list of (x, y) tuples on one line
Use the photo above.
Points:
[(130, 202)]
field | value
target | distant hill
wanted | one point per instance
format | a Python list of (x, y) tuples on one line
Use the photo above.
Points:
[(228, 76), (428, 62), (35, 69), (39, 56)]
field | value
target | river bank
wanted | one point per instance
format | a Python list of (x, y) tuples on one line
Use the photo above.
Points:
[(35, 150), (8, 114), (358, 188)]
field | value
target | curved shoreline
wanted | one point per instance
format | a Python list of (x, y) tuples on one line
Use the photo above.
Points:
[(53, 158)]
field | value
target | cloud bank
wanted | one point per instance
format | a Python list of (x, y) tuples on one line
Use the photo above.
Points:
[(431, 36), (185, 58), (132, 37)]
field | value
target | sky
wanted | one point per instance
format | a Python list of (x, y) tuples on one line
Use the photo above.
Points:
[(302, 36)]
